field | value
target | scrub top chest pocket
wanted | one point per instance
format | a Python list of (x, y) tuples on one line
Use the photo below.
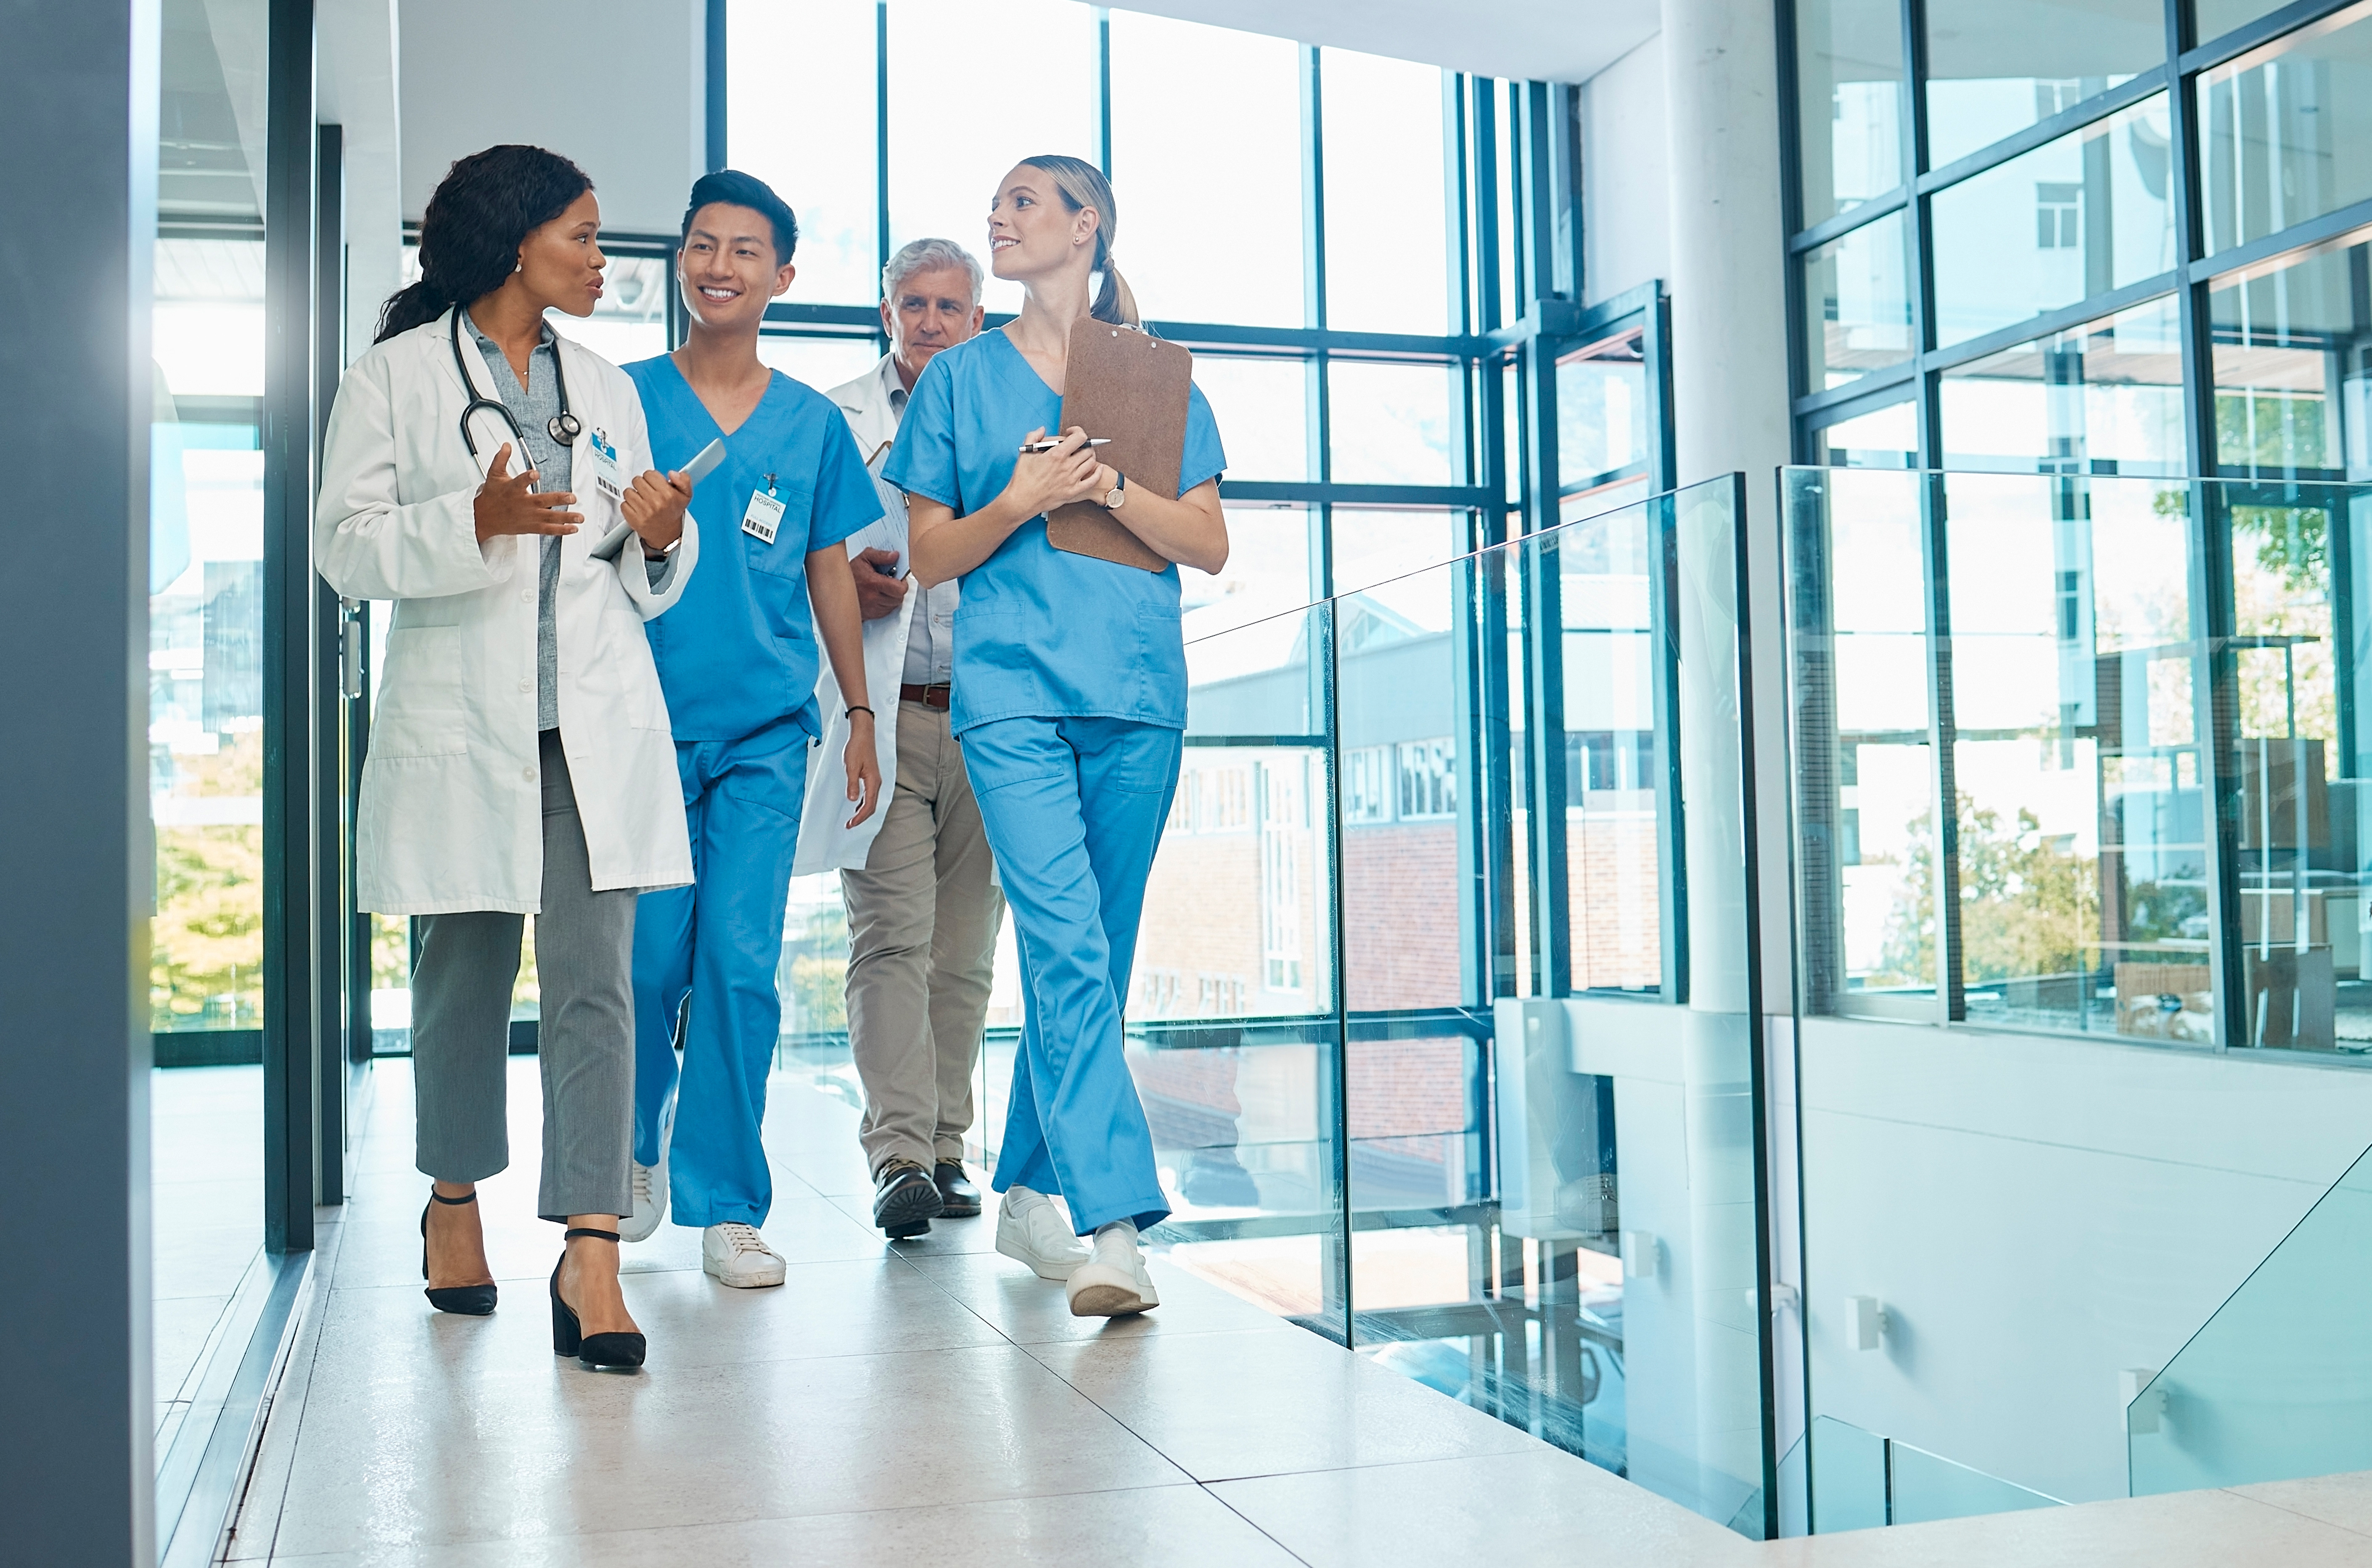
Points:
[(763, 518), (775, 514)]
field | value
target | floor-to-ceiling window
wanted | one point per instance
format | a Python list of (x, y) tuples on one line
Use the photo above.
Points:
[(1418, 780), (2104, 242)]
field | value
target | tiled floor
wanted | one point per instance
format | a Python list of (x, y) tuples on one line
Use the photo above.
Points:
[(936, 1404)]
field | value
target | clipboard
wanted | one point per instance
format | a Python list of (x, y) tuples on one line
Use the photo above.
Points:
[(1131, 387)]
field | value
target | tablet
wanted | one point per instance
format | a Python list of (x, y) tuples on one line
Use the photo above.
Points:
[(700, 468)]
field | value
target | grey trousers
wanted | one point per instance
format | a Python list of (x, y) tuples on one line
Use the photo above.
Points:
[(923, 917), (460, 1026)]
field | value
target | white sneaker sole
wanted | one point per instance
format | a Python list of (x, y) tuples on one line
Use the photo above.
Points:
[(1058, 1270), (1099, 1290), (743, 1279)]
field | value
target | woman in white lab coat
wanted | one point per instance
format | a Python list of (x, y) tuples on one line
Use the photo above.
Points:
[(492, 479)]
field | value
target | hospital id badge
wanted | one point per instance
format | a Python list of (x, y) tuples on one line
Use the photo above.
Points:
[(763, 518), (606, 477)]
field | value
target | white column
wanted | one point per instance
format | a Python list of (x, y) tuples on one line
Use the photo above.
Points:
[(1730, 404), (1729, 342)]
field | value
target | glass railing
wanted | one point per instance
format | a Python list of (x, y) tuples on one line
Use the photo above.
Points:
[(2277, 1384), (1861, 1481), (2079, 753), (1440, 1011), (2082, 834)]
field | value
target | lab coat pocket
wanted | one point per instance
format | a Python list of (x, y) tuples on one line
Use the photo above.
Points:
[(423, 708)]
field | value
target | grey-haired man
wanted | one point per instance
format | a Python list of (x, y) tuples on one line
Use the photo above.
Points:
[(918, 881)]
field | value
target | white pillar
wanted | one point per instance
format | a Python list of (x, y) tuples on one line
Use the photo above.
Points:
[(1729, 346), (1730, 408)]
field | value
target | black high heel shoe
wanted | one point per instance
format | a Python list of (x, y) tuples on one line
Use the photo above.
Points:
[(469, 1301), (568, 1337)]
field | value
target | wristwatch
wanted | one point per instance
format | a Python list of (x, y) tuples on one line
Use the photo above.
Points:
[(1118, 493)]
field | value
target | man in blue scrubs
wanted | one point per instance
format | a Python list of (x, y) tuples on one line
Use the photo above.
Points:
[(738, 660)]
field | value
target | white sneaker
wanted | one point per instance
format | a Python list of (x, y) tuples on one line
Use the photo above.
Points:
[(650, 1186), (739, 1257), (1030, 1229), (1113, 1282), (650, 1202)]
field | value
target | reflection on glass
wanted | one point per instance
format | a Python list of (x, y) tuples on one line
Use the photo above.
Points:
[(2081, 869), (2284, 332), (2073, 218), (2217, 17), (2301, 866), (2260, 1374), (1856, 304), (822, 363), (2286, 132), (1602, 393), (205, 1098), (1239, 924), (1263, 406), (1614, 885), (2080, 882), (1883, 438), (1996, 67), (1867, 812), (1391, 421), (957, 123), (1849, 80), (1485, 1155), (800, 117), (1387, 250), (1406, 768), (1242, 94), (2102, 397), (1371, 547)]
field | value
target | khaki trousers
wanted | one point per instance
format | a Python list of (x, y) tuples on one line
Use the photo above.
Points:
[(923, 917)]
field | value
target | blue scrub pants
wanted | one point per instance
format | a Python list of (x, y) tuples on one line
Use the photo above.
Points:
[(1074, 809), (718, 941)]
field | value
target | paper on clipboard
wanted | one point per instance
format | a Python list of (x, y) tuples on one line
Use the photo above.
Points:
[(1131, 387), (700, 468)]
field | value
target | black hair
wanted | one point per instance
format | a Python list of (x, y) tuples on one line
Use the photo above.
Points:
[(481, 211), (732, 186)]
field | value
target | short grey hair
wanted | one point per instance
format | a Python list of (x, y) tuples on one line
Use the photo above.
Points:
[(928, 256)]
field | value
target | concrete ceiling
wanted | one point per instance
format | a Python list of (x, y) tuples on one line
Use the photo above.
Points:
[(1554, 40)]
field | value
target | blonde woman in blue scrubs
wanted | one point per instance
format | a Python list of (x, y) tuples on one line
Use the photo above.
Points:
[(1070, 701)]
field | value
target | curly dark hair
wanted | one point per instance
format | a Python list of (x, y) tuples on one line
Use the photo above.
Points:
[(483, 209)]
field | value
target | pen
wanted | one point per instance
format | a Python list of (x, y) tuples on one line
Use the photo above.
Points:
[(1051, 442)]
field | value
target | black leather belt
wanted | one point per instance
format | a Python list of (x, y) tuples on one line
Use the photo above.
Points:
[(937, 696)]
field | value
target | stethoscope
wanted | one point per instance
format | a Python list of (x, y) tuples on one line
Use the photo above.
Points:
[(565, 427)]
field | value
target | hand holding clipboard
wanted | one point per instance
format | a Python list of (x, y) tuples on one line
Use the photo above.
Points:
[(1133, 389)]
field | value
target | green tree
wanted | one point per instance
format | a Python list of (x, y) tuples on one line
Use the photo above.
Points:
[(2028, 905)]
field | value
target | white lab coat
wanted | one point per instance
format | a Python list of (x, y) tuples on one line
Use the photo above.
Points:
[(451, 810), (825, 844)]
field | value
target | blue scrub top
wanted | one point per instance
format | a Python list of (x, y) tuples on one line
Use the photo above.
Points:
[(737, 654), (1041, 633)]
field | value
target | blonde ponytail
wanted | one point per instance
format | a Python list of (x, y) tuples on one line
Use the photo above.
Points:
[(1115, 302), (1081, 184)]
